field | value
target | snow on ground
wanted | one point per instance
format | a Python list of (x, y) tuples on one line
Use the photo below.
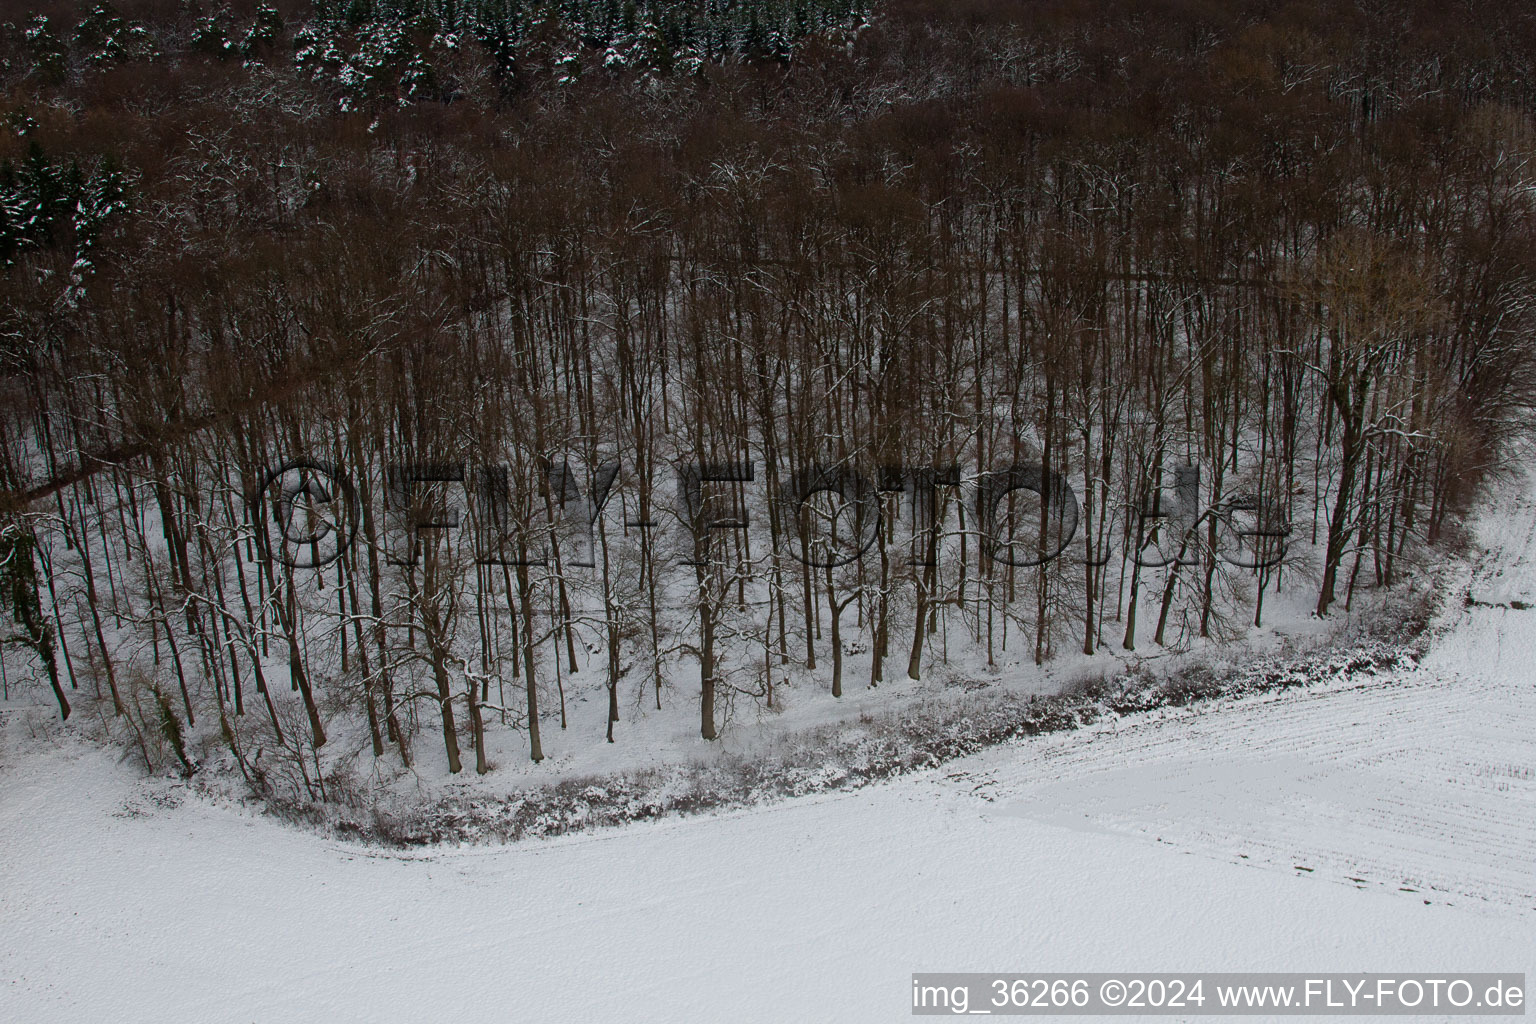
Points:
[(1384, 826)]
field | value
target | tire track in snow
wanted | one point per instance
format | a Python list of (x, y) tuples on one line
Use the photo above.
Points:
[(1423, 781)]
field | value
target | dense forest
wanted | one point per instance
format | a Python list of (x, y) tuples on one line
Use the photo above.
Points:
[(382, 373)]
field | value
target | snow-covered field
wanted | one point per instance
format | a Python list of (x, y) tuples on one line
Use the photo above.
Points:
[(1383, 826)]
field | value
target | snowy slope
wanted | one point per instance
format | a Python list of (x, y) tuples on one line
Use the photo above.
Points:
[(1385, 826)]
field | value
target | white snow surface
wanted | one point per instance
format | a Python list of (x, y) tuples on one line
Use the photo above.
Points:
[(1387, 825)]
